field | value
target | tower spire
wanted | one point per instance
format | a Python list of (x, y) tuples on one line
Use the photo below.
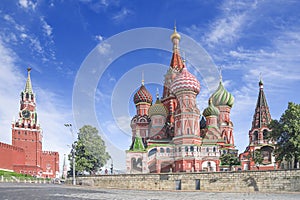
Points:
[(143, 81), (28, 87), (157, 93), (220, 74), (261, 84), (176, 62), (262, 116)]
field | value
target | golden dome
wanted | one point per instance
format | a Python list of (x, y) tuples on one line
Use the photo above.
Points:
[(175, 34)]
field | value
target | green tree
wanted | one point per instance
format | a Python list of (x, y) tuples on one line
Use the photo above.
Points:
[(90, 151), (229, 159), (286, 132), (257, 158)]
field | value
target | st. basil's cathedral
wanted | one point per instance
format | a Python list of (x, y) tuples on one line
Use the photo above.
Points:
[(172, 135)]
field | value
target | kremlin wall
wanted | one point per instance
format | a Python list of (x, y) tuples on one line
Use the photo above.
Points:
[(236, 181), (25, 155)]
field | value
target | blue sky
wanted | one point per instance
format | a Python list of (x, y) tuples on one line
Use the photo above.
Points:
[(58, 38)]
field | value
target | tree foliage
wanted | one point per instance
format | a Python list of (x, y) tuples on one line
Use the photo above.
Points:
[(90, 151), (258, 158), (286, 132), (229, 159)]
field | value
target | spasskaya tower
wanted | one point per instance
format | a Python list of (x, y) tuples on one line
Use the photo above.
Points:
[(27, 134)]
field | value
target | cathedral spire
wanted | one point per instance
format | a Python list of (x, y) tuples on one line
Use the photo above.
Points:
[(176, 61), (262, 116), (28, 87)]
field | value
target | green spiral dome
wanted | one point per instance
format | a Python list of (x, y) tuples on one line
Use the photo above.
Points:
[(222, 97), (211, 110)]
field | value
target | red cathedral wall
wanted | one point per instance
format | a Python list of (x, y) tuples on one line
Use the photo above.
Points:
[(50, 163), (11, 155)]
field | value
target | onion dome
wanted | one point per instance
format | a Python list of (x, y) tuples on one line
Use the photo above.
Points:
[(142, 95), (185, 81), (211, 110), (222, 97), (158, 109), (175, 34)]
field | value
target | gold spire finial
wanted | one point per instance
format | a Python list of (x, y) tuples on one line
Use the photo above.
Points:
[(175, 34), (260, 80), (184, 57), (220, 73), (143, 82), (28, 87), (175, 25)]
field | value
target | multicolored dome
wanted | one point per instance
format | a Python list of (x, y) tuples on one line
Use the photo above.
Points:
[(185, 81), (158, 109), (142, 95), (211, 110), (222, 97)]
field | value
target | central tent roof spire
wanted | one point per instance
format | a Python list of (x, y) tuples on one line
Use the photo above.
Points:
[(28, 87), (176, 61)]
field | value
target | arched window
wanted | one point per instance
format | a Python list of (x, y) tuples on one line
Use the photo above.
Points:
[(187, 101), (208, 164), (186, 149), (168, 150), (214, 149), (255, 135), (188, 131), (207, 149), (152, 151), (265, 134), (162, 150), (192, 149)]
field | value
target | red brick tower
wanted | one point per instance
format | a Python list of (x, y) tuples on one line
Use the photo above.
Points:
[(26, 132), (176, 65), (258, 137)]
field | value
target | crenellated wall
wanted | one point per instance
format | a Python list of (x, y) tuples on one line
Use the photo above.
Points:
[(50, 163), (244, 181), (11, 155)]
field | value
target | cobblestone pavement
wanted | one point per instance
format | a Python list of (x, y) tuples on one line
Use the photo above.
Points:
[(15, 191)]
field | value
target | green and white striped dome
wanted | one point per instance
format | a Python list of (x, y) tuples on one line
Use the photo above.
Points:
[(222, 97), (211, 110)]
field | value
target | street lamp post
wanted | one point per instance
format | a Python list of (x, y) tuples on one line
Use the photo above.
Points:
[(73, 153), (73, 161), (112, 166)]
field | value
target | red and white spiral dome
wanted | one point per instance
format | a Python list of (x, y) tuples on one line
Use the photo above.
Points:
[(185, 81)]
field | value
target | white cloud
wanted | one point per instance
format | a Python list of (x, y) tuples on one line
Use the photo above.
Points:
[(46, 27), (225, 30), (9, 18), (121, 123), (104, 48), (12, 80), (228, 27), (99, 38), (121, 15), (27, 4), (100, 5)]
